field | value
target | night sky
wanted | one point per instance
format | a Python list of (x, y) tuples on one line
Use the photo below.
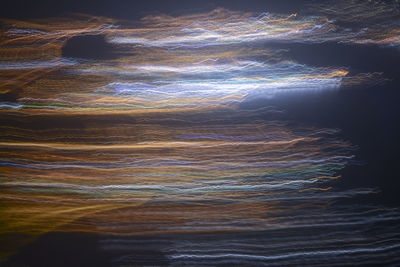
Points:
[(199, 133)]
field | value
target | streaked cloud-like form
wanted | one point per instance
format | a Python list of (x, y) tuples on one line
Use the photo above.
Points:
[(264, 186), (176, 167), (150, 78), (173, 63), (224, 27)]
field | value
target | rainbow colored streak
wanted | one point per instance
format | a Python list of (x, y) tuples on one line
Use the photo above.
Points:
[(202, 181)]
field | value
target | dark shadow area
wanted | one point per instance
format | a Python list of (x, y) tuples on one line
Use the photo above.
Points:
[(135, 9), (62, 249), (79, 249), (359, 58), (11, 96), (368, 116), (88, 47)]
